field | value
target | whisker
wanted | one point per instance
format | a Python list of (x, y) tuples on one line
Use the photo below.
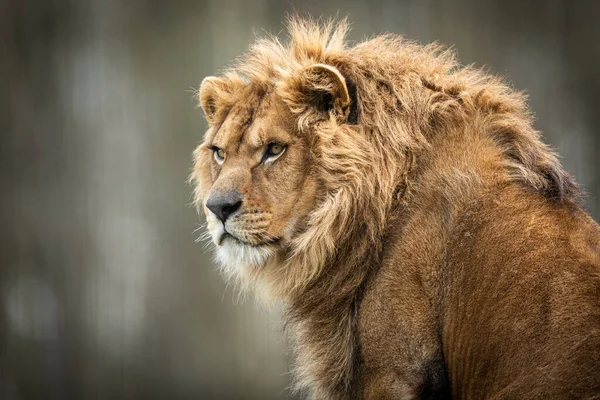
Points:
[(203, 236), (225, 291), (200, 226)]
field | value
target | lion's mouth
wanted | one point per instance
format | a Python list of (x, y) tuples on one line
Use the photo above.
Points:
[(228, 236)]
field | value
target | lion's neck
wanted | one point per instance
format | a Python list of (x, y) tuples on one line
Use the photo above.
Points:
[(323, 317), (323, 322)]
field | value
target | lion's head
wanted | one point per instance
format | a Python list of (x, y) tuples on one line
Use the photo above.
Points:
[(256, 165), (276, 173)]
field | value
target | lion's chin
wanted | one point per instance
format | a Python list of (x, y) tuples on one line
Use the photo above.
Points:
[(237, 257)]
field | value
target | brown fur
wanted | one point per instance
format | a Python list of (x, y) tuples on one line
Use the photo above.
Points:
[(428, 244)]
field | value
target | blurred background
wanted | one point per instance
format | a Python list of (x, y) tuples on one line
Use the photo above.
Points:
[(104, 293)]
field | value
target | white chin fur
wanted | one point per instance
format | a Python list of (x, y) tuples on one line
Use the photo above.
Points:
[(234, 256)]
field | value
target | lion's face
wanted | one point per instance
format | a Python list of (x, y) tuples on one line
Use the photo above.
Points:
[(258, 188), (255, 172)]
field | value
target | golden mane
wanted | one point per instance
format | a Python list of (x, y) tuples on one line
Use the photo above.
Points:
[(405, 95)]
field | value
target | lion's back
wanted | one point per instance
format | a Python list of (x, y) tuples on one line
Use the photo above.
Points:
[(522, 309)]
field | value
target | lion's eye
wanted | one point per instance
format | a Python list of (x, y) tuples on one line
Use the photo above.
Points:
[(219, 154), (274, 150)]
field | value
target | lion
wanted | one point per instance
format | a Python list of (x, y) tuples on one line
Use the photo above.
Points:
[(423, 239)]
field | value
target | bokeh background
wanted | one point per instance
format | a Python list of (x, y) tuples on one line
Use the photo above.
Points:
[(104, 293)]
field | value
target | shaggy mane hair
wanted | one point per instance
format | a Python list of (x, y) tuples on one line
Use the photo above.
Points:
[(405, 95)]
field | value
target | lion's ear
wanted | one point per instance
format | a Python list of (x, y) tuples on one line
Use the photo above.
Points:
[(212, 90), (323, 88)]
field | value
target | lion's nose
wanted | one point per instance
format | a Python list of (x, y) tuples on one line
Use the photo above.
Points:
[(223, 204)]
